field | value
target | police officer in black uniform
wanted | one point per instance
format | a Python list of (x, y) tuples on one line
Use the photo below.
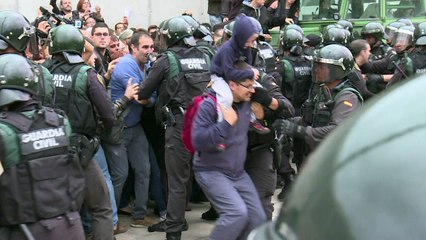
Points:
[(373, 33), (41, 188), (295, 72), (15, 35), (262, 162), (168, 79), (79, 93)]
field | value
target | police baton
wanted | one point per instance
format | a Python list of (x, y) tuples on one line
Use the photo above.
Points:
[(399, 69), (26, 231)]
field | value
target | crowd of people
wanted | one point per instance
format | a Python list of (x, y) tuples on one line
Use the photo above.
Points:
[(93, 115)]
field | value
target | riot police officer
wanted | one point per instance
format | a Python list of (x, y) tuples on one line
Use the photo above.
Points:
[(15, 35), (358, 184), (169, 78), (419, 54), (79, 93), (403, 43), (295, 71), (294, 68), (334, 101), (42, 184), (373, 33)]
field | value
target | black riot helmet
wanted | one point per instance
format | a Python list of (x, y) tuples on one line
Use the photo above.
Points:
[(335, 34), (291, 38), (18, 80), (15, 31), (288, 27), (332, 62), (406, 21), (420, 34), (375, 29), (346, 25)]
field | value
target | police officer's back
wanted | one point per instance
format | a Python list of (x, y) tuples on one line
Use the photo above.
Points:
[(79, 93), (178, 75), (41, 188), (294, 68)]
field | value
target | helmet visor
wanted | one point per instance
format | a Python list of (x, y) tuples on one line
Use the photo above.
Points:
[(390, 32), (402, 38), (325, 69), (322, 72)]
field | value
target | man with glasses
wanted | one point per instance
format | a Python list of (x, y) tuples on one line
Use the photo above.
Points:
[(220, 172), (101, 38), (133, 151)]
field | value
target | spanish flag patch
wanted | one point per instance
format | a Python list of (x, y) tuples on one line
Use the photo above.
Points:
[(347, 103)]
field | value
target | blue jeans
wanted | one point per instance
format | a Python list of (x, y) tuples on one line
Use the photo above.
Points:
[(155, 185), (237, 202), (133, 151)]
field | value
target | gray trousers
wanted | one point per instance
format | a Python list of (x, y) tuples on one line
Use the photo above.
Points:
[(237, 202), (179, 175)]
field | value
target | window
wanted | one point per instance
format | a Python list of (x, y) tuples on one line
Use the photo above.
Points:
[(318, 9)]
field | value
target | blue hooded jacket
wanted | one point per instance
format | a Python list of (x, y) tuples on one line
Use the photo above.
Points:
[(233, 50)]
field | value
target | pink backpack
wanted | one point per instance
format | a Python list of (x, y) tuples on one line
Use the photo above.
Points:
[(190, 114)]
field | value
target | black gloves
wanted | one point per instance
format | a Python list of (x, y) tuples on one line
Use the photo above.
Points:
[(261, 96), (289, 128)]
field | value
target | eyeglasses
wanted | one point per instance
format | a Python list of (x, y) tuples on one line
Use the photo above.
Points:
[(147, 46), (251, 87), (98, 34)]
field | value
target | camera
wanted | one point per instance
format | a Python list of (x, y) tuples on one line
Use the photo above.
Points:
[(54, 19)]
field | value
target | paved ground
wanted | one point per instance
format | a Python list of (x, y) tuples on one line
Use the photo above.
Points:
[(199, 229)]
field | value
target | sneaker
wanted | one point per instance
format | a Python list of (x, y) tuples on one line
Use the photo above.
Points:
[(210, 215), (144, 222), (119, 229), (259, 128)]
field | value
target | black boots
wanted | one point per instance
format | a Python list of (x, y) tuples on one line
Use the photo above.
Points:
[(210, 215), (288, 182)]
